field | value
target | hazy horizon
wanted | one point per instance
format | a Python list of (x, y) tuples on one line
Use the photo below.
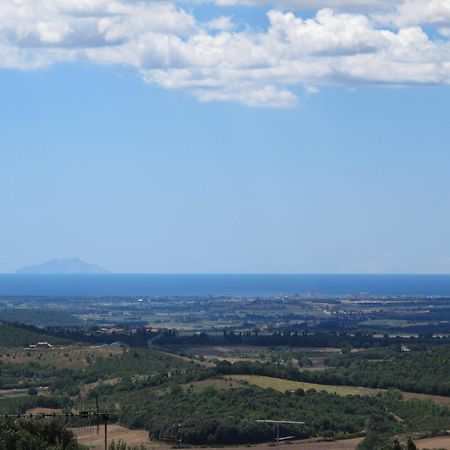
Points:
[(265, 285), (106, 272)]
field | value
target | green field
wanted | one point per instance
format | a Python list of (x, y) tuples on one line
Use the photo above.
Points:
[(282, 385)]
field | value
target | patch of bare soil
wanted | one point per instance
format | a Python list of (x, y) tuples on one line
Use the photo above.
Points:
[(88, 436), (439, 442), (347, 444)]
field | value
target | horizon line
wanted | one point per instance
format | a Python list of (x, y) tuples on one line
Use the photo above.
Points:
[(235, 273)]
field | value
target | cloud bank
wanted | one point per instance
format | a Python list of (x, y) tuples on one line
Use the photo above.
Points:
[(385, 43)]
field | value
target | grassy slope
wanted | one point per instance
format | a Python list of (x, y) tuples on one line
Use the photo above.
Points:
[(282, 385), (287, 385)]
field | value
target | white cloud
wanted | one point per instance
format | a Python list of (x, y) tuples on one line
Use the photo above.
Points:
[(267, 96), (419, 12), (312, 4), (222, 23), (64, 23), (169, 47)]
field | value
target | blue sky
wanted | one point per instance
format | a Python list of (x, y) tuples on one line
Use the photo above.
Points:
[(101, 161)]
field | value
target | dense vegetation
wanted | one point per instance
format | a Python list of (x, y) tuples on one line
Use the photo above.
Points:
[(35, 435), (297, 338), (422, 370)]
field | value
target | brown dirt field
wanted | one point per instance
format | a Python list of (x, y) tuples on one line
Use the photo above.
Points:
[(95, 441), (347, 444), (436, 442)]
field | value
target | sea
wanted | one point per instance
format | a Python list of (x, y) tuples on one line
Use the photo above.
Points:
[(261, 285)]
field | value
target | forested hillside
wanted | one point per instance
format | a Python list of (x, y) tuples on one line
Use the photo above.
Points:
[(422, 370), (227, 416)]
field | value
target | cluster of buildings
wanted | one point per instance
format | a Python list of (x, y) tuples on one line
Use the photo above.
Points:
[(41, 345)]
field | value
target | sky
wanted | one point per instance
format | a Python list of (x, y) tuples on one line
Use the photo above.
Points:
[(226, 136)]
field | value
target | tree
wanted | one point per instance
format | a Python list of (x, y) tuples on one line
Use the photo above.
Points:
[(35, 435), (375, 441), (32, 391), (122, 445)]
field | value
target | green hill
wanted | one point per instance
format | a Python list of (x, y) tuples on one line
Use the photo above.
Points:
[(15, 335)]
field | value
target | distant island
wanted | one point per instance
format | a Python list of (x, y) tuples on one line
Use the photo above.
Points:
[(63, 266)]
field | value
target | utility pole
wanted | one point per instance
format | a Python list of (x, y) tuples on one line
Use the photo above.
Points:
[(105, 419), (97, 414), (180, 439), (277, 424)]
